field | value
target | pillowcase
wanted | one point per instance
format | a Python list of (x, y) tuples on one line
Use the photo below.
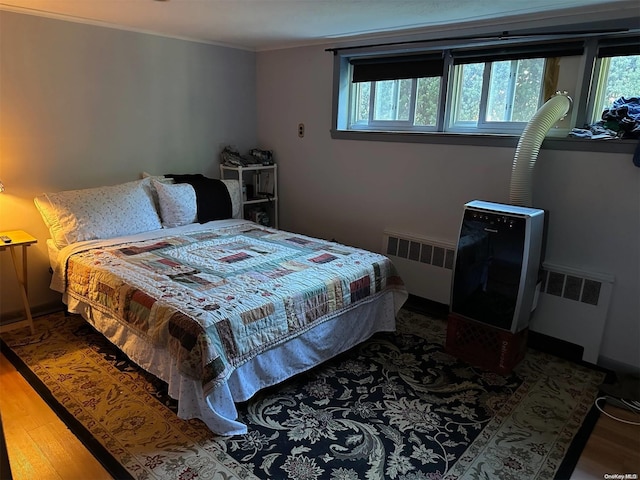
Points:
[(177, 203), (212, 196), (97, 213), (154, 193), (233, 186)]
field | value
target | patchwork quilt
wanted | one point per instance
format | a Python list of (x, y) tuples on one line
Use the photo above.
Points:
[(217, 298)]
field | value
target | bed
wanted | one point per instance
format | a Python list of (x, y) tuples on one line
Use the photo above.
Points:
[(216, 306)]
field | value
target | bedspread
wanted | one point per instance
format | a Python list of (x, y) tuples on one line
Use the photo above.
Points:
[(216, 298)]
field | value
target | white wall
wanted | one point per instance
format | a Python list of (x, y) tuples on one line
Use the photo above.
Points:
[(82, 106), (352, 190)]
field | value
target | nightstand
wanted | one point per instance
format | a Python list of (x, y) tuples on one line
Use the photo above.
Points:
[(19, 239)]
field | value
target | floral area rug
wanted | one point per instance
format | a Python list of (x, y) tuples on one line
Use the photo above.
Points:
[(395, 407)]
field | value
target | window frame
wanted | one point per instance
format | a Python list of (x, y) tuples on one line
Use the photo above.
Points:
[(391, 125), (483, 125), (601, 71), (432, 61), (582, 102), (599, 65)]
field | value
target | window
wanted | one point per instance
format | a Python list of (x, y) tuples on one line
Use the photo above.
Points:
[(492, 88), (395, 93), (618, 74), (498, 89), (500, 96), (396, 104)]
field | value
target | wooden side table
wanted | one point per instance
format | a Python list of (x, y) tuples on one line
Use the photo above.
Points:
[(22, 239)]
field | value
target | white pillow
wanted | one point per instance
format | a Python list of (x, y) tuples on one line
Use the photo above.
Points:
[(96, 213), (154, 193), (177, 203), (234, 192)]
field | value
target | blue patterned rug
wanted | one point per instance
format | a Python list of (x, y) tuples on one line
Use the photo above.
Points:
[(396, 407)]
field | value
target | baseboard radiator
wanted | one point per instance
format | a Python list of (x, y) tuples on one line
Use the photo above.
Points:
[(425, 264), (572, 305)]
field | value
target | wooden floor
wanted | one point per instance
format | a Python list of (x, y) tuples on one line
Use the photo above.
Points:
[(41, 447)]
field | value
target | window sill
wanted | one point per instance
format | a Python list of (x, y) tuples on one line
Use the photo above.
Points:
[(489, 140)]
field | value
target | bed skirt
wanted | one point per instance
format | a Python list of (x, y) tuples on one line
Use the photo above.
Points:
[(217, 409)]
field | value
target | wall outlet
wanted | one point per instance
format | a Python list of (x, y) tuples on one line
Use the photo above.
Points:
[(301, 130)]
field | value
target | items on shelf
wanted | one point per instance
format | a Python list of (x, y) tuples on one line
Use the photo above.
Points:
[(265, 157), (258, 215), (230, 156)]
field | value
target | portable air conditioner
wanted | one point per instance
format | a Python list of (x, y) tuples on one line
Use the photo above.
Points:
[(496, 277)]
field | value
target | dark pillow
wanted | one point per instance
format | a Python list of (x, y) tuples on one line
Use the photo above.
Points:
[(213, 201)]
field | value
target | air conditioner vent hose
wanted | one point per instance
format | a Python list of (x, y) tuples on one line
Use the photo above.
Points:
[(529, 144)]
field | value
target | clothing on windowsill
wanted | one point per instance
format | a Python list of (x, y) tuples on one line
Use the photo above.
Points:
[(621, 120)]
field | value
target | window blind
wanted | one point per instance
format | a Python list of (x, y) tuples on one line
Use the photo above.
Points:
[(517, 52), (616, 47), (396, 68)]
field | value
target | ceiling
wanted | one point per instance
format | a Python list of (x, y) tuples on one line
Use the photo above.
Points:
[(271, 24)]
